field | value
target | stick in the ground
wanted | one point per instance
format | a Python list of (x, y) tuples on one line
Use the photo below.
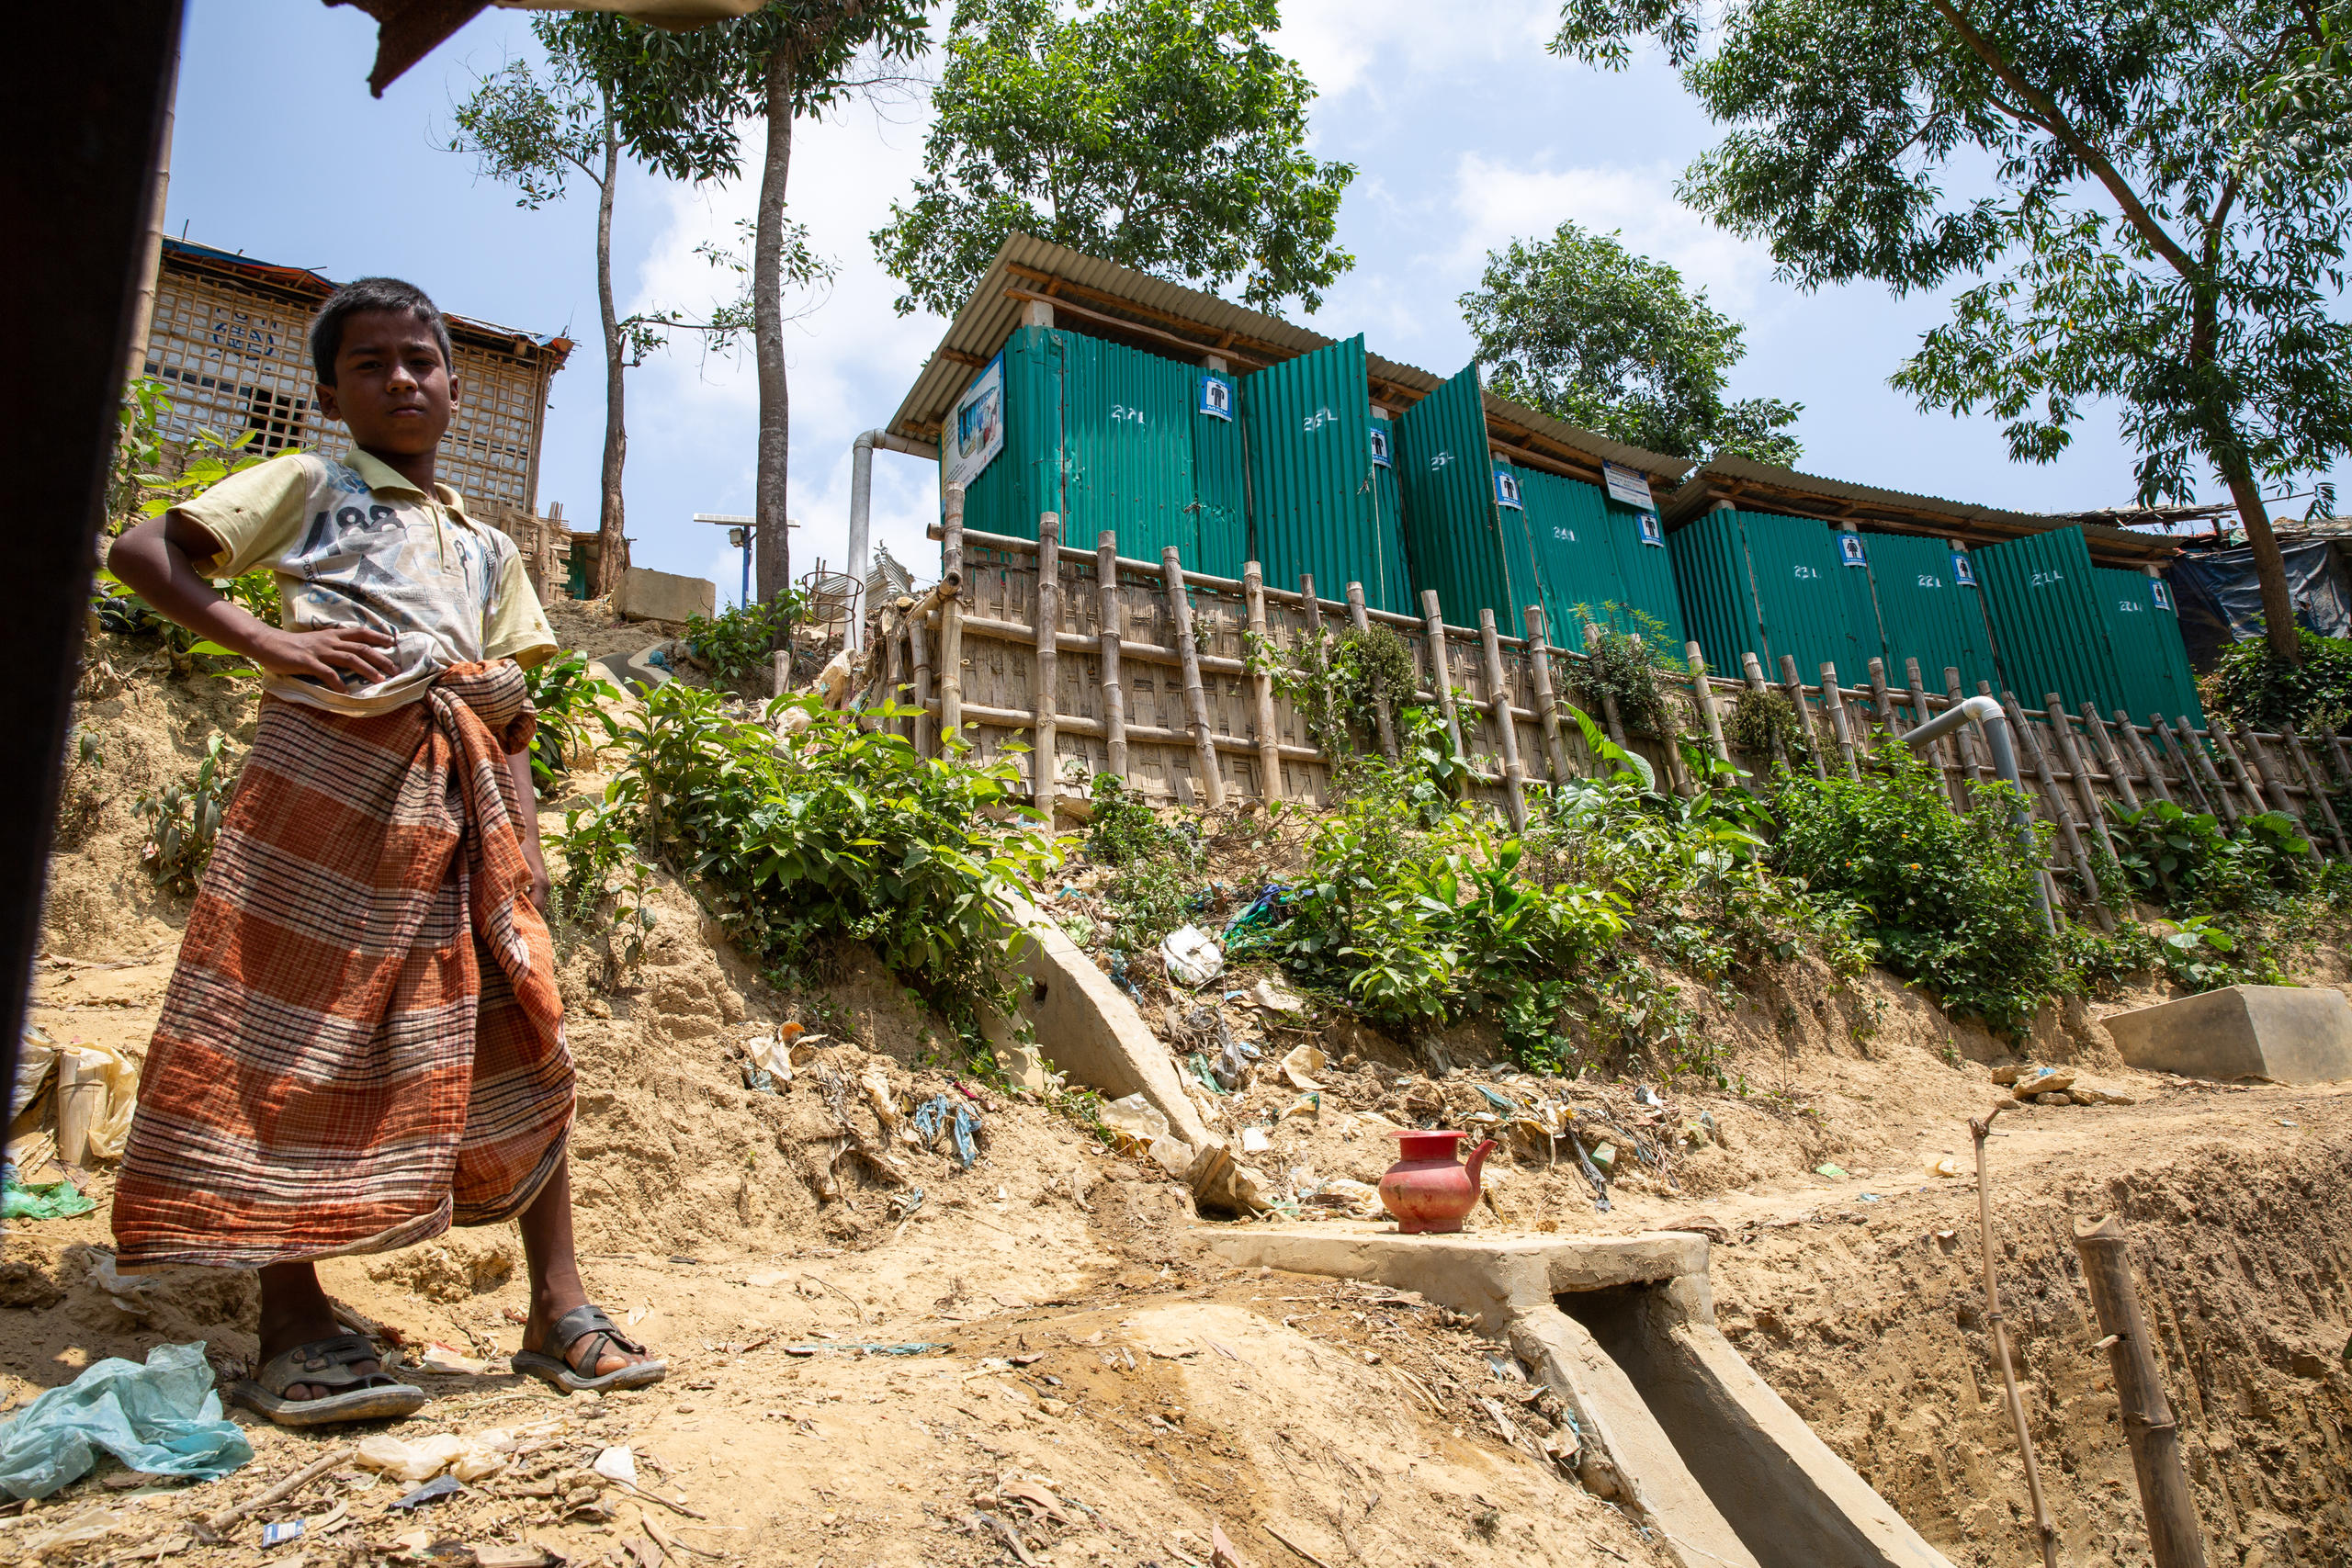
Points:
[(2174, 1539), (221, 1521), (2042, 1527)]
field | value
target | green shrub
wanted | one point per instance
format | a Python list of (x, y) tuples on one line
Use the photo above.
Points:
[(563, 695), (184, 821), (2258, 690), (2183, 862), (830, 832), (738, 639), (1763, 719), (1616, 666), (1949, 898), (1125, 829)]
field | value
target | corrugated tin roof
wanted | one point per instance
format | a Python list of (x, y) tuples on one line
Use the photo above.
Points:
[(1755, 486), (1103, 296)]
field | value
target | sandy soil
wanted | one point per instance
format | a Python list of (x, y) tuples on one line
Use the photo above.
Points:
[(1086, 1374)]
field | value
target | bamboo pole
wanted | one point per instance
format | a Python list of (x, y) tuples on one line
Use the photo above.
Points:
[(2199, 765), (1441, 675), (2249, 785), (1045, 686), (2046, 1532), (1262, 681), (895, 674), (2150, 768), (1608, 715), (1114, 691), (1670, 738), (1383, 719), (1834, 701), (1702, 692), (1944, 750), (951, 624), (2062, 730), (2059, 813), (2174, 1539), (2313, 783), (2274, 779), (2335, 750), (1755, 672), (1881, 703), (2109, 758), (1196, 698), (1539, 662), (926, 737), (1792, 688), (1968, 745), (1499, 694)]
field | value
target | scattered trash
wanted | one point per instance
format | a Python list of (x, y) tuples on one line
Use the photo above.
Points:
[(1301, 1062), (1191, 955), (1828, 1171), (161, 1418), (50, 1201), (901, 1204), (433, 1491), (1943, 1165), (1605, 1157), (1135, 1119), (616, 1463), (1200, 1066), (1254, 1141), (960, 1121), (467, 1457), (1123, 977), (1274, 998), (859, 1347), (1220, 1185), (1175, 1155), (1250, 930), (280, 1531), (440, 1358), (1359, 1200)]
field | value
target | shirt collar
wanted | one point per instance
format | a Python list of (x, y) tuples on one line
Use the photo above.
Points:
[(379, 475)]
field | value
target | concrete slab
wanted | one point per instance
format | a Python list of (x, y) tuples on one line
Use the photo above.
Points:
[(648, 596), (2287, 1033)]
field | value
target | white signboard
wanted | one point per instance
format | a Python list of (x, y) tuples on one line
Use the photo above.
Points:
[(975, 432), (1629, 487)]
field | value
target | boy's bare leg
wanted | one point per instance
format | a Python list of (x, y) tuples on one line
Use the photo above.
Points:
[(295, 1310), (555, 1273)]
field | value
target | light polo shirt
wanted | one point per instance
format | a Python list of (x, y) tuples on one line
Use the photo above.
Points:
[(354, 544)]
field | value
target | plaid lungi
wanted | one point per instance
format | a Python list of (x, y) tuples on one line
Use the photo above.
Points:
[(363, 1040)]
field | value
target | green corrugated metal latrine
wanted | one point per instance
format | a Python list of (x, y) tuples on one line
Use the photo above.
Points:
[(1752, 581), (1220, 479), (2145, 629), (1451, 534), (1520, 557), (1113, 438), (2051, 633), (1312, 490), (1589, 552), (1645, 569), (1388, 514), (1926, 612)]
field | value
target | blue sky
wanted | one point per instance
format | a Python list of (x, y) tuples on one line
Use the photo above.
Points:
[(1465, 134)]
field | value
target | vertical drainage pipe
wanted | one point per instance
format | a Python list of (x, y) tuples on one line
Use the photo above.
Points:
[(861, 515), (1987, 711)]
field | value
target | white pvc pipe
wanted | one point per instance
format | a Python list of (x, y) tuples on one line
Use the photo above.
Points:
[(861, 513)]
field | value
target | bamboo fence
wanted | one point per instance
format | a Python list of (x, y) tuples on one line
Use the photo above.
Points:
[(1102, 663)]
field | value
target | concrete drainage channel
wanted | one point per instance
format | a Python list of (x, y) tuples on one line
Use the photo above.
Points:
[(1673, 1419)]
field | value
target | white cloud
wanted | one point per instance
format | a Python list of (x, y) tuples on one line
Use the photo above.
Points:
[(1394, 47)]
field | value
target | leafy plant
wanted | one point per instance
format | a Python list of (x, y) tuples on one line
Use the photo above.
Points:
[(2184, 862), (1339, 694), (738, 639), (1617, 666), (1949, 898), (2254, 686), (1765, 726), (831, 831), (564, 697), (184, 821)]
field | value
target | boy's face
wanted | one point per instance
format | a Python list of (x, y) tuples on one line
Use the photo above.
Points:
[(392, 386)]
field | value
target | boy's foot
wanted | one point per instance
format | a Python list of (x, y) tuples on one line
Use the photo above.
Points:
[(580, 1347), (294, 1312)]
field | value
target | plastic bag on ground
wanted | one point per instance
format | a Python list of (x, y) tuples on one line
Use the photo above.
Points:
[(1175, 1155), (34, 1058), (1220, 1185), (161, 1418), (467, 1457), (1301, 1063), (120, 1076), (52, 1201), (1132, 1116), (1191, 955)]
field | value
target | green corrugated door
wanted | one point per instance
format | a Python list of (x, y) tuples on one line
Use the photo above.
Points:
[(2150, 657), (1716, 591), (1452, 535), (1388, 517), (1024, 479), (1570, 528), (1801, 596), (1308, 425), (1528, 575), (1127, 433), (1926, 612), (1644, 569), (2051, 633), (1865, 639), (1221, 488)]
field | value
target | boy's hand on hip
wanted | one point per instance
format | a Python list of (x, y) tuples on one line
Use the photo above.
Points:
[(541, 888), (326, 654)]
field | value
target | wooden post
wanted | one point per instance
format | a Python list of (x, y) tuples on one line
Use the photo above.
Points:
[(1114, 691), (926, 736), (950, 624), (2174, 1539), (2062, 731), (1945, 752), (2044, 1531), (2199, 765), (1834, 701), (1881, 703), (895, 674), (1702, 692), (1793, 689), (1270, 748), (779, 668), (2109, 758), (2059, 814), (2335, 750), (1754, 670), (1442, 675), (2266, 771), (2314, 783), (2149, 769), (1968, 745), (1313, 609), (1382, 719), (1045, 687), (1498, 694), (1547, 704), (2249, 785), (1670, 735), (1196, 698), (1608, 715)]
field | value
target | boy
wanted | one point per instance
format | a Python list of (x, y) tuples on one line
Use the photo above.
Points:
[(361, 1041)]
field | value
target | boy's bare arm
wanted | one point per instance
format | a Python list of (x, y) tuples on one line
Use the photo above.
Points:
[(155, 559), (527, 805)]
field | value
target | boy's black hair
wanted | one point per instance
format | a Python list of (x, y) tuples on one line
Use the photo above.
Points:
[(371, 294)]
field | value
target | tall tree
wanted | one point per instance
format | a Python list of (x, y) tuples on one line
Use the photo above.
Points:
[(613, 88), (1165, 135), (1582, 328), (2135, 234)]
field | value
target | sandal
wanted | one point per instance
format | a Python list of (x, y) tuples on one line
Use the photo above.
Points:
[(579, 1324), (357, 1397)]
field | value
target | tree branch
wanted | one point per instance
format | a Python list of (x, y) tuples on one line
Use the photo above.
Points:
[(2135, 211)]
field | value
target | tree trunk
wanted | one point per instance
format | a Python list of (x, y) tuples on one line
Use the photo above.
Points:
[(2270, 565), (612, 559), (775, 565)]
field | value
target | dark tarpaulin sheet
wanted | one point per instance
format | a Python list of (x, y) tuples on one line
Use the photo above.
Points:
[(2220, 600)]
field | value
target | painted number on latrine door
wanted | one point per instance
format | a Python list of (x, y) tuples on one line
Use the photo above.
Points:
[(1929, 579), (1120, 411), (1316, 421), (1805, 572)]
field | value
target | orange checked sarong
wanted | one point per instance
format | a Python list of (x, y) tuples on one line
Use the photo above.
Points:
[(362, 1042)]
